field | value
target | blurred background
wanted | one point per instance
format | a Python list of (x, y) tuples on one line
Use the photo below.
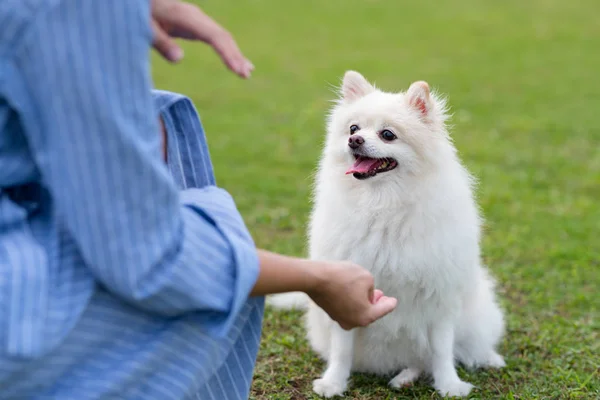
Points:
[(522, 82)]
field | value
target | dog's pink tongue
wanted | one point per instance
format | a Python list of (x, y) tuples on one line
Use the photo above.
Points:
[(363, 165)]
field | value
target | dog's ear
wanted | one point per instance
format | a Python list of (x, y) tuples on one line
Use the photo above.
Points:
[(355, 86), (419, 97)]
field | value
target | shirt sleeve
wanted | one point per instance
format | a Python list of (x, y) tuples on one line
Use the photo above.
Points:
[(94, 134)]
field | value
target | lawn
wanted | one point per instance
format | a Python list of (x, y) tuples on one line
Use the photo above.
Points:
[(522, 81)]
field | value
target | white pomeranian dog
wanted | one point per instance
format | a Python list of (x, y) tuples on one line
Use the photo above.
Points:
[(392, 195)]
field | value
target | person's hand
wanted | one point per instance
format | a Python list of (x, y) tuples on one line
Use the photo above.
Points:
[(348, 295), (175, 19)]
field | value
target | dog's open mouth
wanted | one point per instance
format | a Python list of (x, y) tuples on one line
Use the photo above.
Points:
[(366, 167)]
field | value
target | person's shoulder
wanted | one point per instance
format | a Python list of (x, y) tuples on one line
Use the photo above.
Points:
[(26, 9), (16, 17), (19, 17)]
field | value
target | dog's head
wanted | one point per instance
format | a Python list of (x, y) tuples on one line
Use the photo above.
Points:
[(378, 135)]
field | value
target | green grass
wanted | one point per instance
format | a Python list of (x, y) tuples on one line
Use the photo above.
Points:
[(522, 80)]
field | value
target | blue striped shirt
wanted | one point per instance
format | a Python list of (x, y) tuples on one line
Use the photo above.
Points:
[(120, 277)]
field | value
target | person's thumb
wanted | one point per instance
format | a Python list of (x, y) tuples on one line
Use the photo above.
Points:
[(383, 306), (165, 45)]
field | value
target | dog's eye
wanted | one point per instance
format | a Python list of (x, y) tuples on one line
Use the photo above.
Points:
[(354, 129), (387, 135)]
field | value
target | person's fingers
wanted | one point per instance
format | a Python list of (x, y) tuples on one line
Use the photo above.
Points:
[(188, 21), (165, 45), (228, 50), (371, 294), (377, 294)]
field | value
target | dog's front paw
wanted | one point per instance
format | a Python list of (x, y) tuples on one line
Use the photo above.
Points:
[(405, 378), (457, 388), (328, 388)]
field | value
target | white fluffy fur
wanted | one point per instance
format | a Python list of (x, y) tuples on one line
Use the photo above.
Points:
[(417, 229)]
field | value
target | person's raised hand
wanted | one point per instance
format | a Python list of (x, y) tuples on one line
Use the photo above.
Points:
[(176, 19), (348, 295)]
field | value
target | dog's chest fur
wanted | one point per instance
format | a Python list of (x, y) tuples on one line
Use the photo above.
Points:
[(407, 245)]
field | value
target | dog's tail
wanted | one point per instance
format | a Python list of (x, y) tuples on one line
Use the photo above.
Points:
[(288, 301)]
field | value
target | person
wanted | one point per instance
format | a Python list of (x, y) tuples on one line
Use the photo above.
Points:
[(122, 276)]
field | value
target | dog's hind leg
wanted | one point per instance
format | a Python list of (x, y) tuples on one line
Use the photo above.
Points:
[(480, 329), (335, 379)]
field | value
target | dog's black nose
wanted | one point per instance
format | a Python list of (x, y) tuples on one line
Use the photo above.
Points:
[(355, 141)]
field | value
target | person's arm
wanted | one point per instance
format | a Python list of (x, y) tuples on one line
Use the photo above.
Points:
[(344, 290), (92, 130), (280, 274)]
